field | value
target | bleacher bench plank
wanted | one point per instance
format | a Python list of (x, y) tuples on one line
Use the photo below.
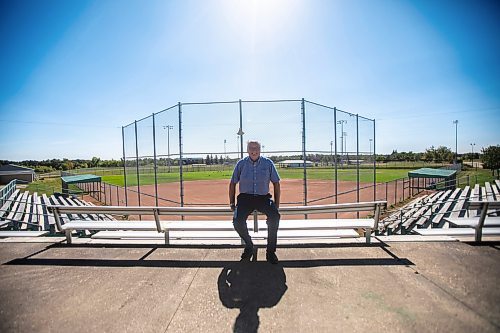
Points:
[(457, 231), (457, 209), (230, 234), (367, 225), (472, 222), (109, 225), (23, 233)]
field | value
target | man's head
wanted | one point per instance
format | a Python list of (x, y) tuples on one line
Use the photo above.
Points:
[(253, 150)]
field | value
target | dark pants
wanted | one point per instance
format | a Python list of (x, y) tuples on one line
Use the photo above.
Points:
[(246, 204)]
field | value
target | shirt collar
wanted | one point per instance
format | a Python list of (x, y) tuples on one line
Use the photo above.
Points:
[(256, 162)]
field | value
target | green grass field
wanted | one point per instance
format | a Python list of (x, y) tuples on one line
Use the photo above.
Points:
[(51, 185), (480, 177), (365, 175)]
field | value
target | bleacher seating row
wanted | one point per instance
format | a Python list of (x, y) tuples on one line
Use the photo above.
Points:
[(28, 213), (443, 211)]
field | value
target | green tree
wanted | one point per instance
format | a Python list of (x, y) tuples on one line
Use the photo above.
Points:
[(444, 154), (430, 154), (491, 159), (94, 163)]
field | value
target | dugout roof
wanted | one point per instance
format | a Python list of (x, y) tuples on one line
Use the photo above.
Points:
[(87, 178), (431, 173)]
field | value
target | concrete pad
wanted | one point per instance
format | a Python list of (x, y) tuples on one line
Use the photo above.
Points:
[(32, 239), (345, 287), (21, 233)]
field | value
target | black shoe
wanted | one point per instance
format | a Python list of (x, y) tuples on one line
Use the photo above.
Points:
[(272, 258), (247, 253)]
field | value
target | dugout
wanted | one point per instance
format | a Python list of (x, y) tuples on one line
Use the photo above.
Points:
[(88, 183), (432, 179), (10, 172)]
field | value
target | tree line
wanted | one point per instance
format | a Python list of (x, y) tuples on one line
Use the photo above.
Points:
[(64, 164), (490, 157)]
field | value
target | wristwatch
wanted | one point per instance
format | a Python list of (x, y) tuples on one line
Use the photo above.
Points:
[(232, 205)]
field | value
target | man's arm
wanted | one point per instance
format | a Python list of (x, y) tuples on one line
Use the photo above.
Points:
[(232, 192), (277, 194)]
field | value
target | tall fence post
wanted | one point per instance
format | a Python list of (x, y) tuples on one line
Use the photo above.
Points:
[(374, 164), (304, 157), (335, 158), (124, 166), (357, 161), (137, 166), (154, 161), (240, 132), (180, 156)]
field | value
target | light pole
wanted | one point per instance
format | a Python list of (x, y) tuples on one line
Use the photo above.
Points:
[(225, 155), (341, 123), (370, 147), (168, 128), (472, 155), (263, 149), (345, 145), (331, 151), (456, 139)]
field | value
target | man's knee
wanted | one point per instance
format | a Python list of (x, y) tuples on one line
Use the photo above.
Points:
[(239, 223), (274, 215), (273, 220)]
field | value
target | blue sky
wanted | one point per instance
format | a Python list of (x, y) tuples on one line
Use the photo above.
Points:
[(74, 72)]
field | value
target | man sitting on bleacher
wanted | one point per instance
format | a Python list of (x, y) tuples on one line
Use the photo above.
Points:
[(254, 173)]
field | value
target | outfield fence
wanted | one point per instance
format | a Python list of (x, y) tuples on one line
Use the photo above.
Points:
[(394, 191)]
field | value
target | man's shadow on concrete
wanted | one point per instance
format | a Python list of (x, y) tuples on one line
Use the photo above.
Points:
[(250, 286)]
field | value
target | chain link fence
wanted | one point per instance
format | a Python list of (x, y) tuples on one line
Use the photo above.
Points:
[(184, 155)]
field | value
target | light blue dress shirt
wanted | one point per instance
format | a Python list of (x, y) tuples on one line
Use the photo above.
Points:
[(254, 177)]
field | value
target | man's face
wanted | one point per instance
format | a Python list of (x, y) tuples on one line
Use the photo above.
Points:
[(253, 151)]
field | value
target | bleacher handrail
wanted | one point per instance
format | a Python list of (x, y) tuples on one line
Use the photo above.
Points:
[(7, 191)]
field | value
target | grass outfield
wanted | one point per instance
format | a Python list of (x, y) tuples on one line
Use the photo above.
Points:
[(481, 175), (51, 185), (383, 175)]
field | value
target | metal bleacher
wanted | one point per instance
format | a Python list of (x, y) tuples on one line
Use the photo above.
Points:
[(447, 213), (25, 214)]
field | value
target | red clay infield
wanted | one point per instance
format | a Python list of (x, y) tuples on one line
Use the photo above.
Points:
[(216, 193)]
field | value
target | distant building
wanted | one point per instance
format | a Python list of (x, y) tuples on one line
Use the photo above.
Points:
[(354, 162), (294, 164), (190, 160), (9, 172)]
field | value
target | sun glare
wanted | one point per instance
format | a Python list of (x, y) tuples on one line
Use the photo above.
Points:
[(261, 22)]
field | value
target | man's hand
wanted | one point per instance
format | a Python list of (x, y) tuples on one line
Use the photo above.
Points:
[(277, 194), (232, 192)]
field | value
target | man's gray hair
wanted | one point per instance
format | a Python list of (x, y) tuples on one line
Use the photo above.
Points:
[(249, 142)]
